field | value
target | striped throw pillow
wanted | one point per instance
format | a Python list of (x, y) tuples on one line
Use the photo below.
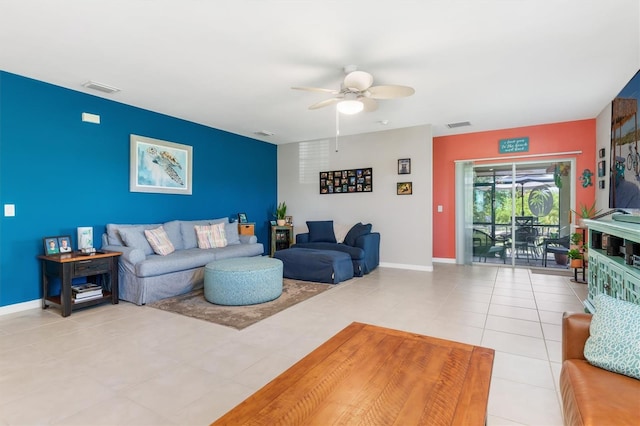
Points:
[(211, 236), (159, 241)]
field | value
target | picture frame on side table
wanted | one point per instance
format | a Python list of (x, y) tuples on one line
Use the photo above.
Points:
[(64, 244), (50, 245), (242, 218), (405, 188), (288, 220), (404, 166), (159, 166)]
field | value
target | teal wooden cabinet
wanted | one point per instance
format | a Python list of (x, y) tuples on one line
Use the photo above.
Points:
[(610, 271)]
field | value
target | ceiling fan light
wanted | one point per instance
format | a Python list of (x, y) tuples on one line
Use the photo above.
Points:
[(350, 107)]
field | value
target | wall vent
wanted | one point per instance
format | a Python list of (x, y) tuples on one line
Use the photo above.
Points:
[(264, 133), (100, 87), (458, 124)]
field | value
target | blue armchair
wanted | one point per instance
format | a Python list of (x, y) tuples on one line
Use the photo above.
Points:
[(360, 243)]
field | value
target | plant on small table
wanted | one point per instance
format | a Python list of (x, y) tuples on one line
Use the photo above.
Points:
[(576, 238), (585, 213), (281, 212), (576, 258)]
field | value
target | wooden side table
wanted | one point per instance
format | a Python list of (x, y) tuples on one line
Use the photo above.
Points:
[(100, 268), (281, 238)]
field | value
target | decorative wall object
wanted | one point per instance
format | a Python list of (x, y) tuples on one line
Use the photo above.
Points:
[(404, 166), (159, 166), (586, 178), (404, 188), (602, 167), (346, 181), (601, 183), (601, 153)]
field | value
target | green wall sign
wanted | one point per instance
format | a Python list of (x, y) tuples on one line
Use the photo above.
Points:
[(508, 146)]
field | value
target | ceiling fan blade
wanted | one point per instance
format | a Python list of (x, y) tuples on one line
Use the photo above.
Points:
[(317, 89), (325, 103), (358, 81), (369, 104), (390, 92)]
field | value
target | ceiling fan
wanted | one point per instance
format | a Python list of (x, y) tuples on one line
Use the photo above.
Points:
[(357, 93)]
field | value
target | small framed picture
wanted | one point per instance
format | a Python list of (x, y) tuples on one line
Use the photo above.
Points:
[(404, 166), (288, 220), (601, 153), (273, 223), (242, 218), (64, 244), (51, 245), (405, 188), (602, 167), (601, 183)]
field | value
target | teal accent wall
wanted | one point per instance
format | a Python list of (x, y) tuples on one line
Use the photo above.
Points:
[(62, 173)]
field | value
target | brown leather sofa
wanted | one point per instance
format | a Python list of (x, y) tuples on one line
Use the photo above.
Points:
[(591, 395)]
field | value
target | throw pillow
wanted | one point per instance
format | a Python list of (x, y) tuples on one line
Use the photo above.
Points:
[(211, 236), (159, 241), (133, 236), (356, 232), (321, 231), (614, 340), (189, 238)]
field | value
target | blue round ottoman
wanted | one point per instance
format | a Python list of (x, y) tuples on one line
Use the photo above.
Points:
[(243, 281)]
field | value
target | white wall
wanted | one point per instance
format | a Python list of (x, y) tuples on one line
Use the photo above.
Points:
[(603, 140), (404, 221)]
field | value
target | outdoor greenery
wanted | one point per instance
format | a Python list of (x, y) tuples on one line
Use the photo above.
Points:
[(482, 205)]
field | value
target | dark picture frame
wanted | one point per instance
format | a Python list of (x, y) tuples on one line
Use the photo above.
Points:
[(346, 181), (601, 183), (602, 168), (242, 218), (64, 244), (59, 244), (404, 166), (404, 188), (601, 153)]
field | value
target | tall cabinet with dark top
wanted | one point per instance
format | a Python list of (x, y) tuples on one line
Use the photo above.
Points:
[(281, 237)]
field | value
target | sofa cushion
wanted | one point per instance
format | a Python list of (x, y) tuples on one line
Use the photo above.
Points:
[(321, 231), (113, 232), (172, 229), (614, 336), (180, 260), (133, 236), (211, 236), (355, 232), (231, 231), (159, 241), (189, 239)]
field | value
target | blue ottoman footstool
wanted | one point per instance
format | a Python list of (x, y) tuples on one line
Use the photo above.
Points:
[(243, 281), (323, 266)]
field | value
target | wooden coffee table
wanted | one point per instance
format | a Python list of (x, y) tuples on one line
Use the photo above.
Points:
[(377, 376)]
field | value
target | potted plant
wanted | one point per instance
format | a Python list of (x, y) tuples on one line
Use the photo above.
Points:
[(576, 258), (585, 212), (281, 212), (576, 238)]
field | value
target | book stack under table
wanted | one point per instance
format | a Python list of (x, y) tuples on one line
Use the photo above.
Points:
[(85, 292)]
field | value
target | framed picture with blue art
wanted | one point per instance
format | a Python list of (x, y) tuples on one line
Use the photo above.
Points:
[(159, 166)]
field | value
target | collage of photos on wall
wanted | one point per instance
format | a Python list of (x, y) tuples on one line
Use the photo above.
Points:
[(345, 181)]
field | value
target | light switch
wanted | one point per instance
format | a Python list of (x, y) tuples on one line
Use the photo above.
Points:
[(9, 210), (440, 209)]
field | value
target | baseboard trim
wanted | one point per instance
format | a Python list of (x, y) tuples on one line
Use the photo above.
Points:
[(444, 260), (19, 307), (406, 266)]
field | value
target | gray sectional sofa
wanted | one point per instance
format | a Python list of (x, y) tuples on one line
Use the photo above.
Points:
[(145, 277)]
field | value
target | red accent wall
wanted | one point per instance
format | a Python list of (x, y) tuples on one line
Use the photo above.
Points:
[(547, 138)]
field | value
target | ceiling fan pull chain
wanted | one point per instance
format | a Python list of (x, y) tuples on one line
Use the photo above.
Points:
[(337, 127)]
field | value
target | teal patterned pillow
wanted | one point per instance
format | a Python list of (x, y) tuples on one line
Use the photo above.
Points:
[(614, 341)]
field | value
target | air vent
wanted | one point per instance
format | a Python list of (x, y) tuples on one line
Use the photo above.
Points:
[(264, 133), (100, 87), (459, 124)]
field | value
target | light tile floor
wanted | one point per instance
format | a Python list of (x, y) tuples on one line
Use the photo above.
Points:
[(132, 365)]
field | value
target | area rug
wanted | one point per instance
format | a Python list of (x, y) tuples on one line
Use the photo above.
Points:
[(561, 272), (194, 305)]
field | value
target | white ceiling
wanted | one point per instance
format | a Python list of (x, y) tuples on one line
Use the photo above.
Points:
[(230, 64)]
